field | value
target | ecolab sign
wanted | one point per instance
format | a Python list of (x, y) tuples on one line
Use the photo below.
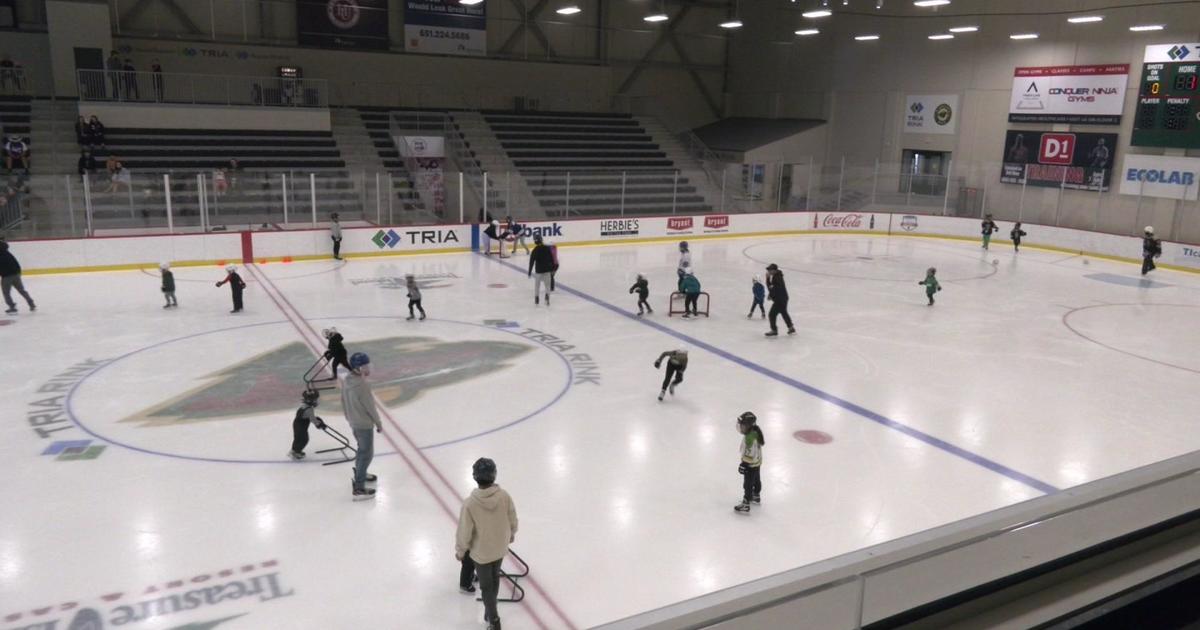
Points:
[(1157, 176), (1057, 148)]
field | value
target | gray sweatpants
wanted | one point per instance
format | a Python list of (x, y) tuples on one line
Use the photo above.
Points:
[(540, 279), (8, 283)]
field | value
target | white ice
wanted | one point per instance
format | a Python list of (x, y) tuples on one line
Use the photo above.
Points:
[(1029, 376)]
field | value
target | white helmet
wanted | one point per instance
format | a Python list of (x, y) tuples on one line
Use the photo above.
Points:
[(164, 266), (682, 350), (329, 332), (1149, 229), (230, 268)]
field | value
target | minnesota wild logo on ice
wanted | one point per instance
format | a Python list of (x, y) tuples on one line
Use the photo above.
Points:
[(403, 368)]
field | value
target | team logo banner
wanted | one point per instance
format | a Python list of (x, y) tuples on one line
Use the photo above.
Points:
[(1159, 176), (931, 113), (1079, 161), (1092, 95), (343, 23), (445, 27)]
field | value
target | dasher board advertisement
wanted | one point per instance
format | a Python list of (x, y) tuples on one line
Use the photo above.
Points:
[(1090, 95)]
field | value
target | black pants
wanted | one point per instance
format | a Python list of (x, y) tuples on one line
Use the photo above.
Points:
[(337, 247), (643, 304), (339, 359), (466, 575), (1148, 264), (489, 585), (1017, 243), (158, 87), (759, 305), (299, 434), (237, 299), (779, 307), (751, 483), (416, 303), (689, 303), (675, 371)]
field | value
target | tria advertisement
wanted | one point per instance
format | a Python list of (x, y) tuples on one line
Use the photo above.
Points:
[(1092, 95)]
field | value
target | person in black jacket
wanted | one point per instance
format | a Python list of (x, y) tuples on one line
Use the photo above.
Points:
[(988, 227), (492, 233), (168, 285), (10, 278), (236, 286), (777, 293), (1016, 235), (541, 261), (305, 416), (1151, 249), (642, 287), (336, 351)]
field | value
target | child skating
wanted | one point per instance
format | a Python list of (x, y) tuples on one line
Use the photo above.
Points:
[(414, 297), (677, 361), (760, 295), (1016, 235), (236, 286), (989, 227), (642, 288), (336, 351), (690, 285), (305, 415), (168, 285), (931, 284), (751, 465)]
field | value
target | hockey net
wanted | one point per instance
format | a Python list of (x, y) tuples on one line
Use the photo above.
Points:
[(677, 299)]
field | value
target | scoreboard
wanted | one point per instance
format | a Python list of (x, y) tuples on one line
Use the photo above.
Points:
[(1168, 106)]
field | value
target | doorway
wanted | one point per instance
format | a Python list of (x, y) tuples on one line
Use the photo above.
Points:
[(924, 172), (91, 84)]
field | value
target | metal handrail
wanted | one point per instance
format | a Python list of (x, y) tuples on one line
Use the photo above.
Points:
[(201, 89)]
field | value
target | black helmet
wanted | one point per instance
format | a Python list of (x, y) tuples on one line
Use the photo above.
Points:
[(772, 267), (683, 246), (748, 419), (484, 470), (311, 396), (537, 238)]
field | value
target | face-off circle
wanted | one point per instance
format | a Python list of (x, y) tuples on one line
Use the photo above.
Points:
[(230, 395), (812, 436)]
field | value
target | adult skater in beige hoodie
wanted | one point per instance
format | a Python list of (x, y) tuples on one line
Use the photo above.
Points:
[(486, 526)]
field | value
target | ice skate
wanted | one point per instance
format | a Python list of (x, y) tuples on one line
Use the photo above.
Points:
[(639, 314), (772, 333), (791, 331), (547, 299), (362, 494), (671, 389), (756, 500), (422, 317), (661, 394), (409, 318), (687, 315), (296, 455), (371, 478), (536, 300), (742, 508), (467, 590), (11, 311)]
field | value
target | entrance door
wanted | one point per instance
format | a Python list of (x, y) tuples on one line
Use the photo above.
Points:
[(924, 172), (91, 84)]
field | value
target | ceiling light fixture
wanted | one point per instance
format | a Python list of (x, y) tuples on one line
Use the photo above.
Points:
[(735, 20), (963, 29), (1023, 36), (930, 3), (819, 13), (568, 10), (807, 31), (469, 2), (878, 4), (1146, 27), (942, 36), (866, 38), (1086, 19)]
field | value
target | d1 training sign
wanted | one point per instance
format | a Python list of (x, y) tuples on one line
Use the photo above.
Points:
[(1158, 176), (445, 27), (1093, 95), (1079, 161), (342, 23)]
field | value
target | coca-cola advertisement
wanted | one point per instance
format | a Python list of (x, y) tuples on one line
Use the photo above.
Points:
[(844, 221)]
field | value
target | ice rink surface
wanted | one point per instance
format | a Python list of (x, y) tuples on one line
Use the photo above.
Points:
[(146, 482)]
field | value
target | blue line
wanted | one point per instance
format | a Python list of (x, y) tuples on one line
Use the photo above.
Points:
[(917, 434)]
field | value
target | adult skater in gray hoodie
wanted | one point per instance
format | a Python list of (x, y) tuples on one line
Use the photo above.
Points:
[(358, 403), (487, 524)]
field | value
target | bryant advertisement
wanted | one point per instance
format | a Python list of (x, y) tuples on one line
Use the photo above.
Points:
[(361, 24), (445, 27), (1078, 161)]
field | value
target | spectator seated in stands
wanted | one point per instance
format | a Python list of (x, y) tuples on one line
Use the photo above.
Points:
[(96, 130), (232, 172), (121, 180), (83, 135), (10, 72), (87, 164), (220, 182), (16, 150)]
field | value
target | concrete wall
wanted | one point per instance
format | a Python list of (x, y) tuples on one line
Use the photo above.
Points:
[(860, 88), (155, 116), (31, 50), (79, 24)]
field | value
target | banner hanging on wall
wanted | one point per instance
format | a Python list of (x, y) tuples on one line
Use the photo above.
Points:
[(1160, 176), (359, 24), (931, 113), (1077, 161), (1091, 95), (445, 27)]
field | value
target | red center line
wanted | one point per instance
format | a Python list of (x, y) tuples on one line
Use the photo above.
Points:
[(266, 282)]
